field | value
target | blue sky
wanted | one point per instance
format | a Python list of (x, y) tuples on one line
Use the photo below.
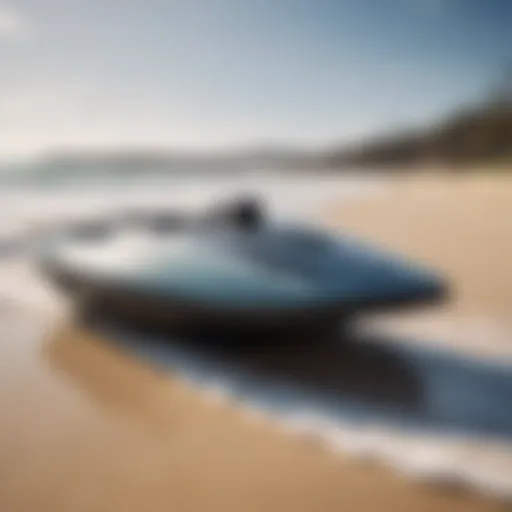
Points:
[(209, 73)]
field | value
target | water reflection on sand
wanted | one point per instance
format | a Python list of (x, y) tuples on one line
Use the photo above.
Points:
[(353, 377), (352, 383)]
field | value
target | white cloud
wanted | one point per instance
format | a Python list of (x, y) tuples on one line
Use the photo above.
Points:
[(13, 25), (42, 116)]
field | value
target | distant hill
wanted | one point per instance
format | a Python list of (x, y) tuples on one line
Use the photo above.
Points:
[(126, 160), (471, 136)]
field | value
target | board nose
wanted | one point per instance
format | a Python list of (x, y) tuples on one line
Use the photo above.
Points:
[(420, 284)]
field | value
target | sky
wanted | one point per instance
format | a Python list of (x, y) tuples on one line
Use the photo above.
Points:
[(227, 73)]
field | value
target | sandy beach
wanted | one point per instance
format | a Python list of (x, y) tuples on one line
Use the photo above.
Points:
[(87, 426)]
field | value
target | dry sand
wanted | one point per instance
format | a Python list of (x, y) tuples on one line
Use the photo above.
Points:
[(86, 427)]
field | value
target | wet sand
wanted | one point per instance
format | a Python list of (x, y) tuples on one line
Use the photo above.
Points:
[(88, 426)]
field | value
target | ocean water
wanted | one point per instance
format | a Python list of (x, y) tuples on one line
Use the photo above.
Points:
[(428, 411), (31, 201)]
